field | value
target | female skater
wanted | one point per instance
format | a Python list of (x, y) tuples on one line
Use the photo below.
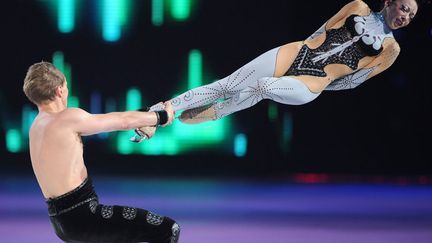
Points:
[(350, 48)]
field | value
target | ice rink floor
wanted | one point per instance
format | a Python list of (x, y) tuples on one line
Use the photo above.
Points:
[(242, 211)]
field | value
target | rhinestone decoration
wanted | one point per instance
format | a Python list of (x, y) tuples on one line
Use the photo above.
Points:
[(154, 219), (92, 205), (129, 213), (107, 211)]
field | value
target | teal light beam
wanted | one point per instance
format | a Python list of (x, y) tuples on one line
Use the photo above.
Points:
[(180, 9), (157, 12), (115, 14), (124, 146), (66, 15), (59, 62), (195, 69), (272, 111), (13, 140), (133, 102), (110, 20), (133, 99), (240, 145)]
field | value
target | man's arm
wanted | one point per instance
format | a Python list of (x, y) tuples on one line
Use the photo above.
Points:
[(86, 124)]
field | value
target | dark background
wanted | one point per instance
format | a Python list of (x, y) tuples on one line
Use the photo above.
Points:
[(382, 127)]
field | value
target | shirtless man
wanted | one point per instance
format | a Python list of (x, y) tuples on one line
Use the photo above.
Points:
[(56, 152)]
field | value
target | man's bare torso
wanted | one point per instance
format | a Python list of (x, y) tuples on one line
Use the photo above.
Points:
[(56, 154)]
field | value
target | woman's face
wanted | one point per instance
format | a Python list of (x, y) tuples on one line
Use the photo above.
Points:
[(399, 13)]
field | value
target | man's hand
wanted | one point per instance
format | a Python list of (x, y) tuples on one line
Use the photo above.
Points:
[(143, 133), (148, 132)]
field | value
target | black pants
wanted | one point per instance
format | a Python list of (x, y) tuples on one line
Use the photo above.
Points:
[(77, 216)]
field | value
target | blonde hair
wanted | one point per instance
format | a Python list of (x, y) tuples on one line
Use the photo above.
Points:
[(41, 81)]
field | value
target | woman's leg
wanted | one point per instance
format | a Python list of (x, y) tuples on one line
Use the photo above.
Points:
[(262, 66), (285, 90)]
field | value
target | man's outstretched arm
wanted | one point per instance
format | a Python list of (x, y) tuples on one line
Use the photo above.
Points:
[(86, 124)]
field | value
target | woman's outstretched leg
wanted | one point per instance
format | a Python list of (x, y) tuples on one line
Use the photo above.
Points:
[(285, 90), (262, 66)]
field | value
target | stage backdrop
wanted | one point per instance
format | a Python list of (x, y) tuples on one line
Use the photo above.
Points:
[(122, 55)]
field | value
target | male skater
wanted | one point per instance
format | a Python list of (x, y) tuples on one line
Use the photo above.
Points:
[(56, 152)]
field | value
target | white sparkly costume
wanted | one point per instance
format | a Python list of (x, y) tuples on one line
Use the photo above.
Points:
[(362, 34)]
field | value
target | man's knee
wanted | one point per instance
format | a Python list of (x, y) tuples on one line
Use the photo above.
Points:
[(168, 232), (175, 231)]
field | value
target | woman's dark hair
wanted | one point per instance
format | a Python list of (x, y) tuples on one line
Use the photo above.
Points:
[(378, 5), (419, 3)]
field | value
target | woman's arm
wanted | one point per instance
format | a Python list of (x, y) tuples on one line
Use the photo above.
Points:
[(344, 12), (382, 62)]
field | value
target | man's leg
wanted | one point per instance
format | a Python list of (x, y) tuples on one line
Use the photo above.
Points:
[(128, 224), (94, 222)]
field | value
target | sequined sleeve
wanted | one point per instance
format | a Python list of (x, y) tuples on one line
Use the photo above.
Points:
[(380, 63)]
